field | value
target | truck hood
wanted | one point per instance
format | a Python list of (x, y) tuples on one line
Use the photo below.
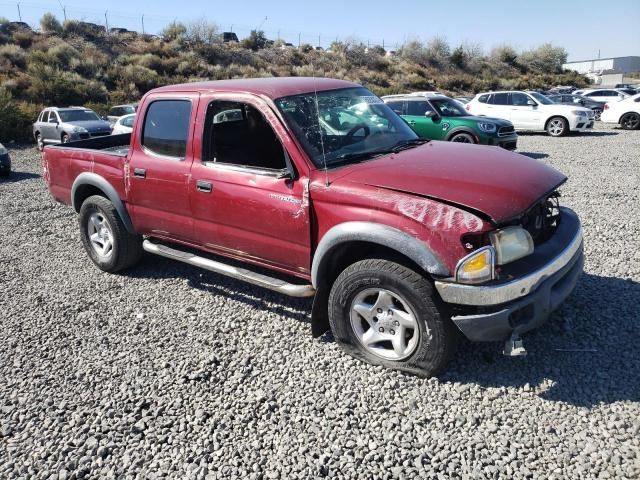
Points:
[(488, 181)]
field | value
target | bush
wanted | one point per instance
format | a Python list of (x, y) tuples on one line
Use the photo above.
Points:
[(202, 31), (255, 41), (174, 31), (546, 58), (16, 118), (50, 24), (13, 55)]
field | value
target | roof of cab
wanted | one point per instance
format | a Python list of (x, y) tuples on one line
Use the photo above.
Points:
[(272, 87)]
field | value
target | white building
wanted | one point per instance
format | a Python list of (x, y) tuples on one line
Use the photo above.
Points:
[(606, 65)]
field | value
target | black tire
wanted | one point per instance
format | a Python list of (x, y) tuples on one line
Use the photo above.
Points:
[(39, 142), (630, 121), (597, 113), (126, 248), (65, 138), (462, 137), (435, 341), (557, 127), (5, 174)]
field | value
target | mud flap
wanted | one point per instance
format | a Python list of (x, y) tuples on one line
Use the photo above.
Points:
[(320, 312)]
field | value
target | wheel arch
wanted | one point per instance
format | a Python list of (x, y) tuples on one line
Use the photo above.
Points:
[(88, 184), (463, 129)]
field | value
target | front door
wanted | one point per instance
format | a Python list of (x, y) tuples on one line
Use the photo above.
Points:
[(424, 126), (245, 204), (160, 165), (524, 115)]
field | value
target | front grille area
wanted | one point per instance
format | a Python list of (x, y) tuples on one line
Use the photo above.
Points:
[(99, 134), (504, 131), (542, 220)]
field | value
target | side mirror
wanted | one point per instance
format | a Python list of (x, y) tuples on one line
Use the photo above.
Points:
[(531, 103), (430, 114)]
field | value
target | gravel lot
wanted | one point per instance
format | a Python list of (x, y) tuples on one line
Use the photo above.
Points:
[(168, 371)]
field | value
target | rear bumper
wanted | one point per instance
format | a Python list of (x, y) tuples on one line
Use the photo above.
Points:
[(537, 286)]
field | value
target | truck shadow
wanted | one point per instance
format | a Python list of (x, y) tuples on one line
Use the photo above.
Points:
[(585, 355), (15, 177)]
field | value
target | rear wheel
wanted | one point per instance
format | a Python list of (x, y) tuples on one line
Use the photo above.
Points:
[(557, 127), (463, 138), (105, 238), (65, 138), (386, 314), (597, 113), (630, 121)]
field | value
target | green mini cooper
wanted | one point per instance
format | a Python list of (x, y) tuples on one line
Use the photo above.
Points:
[(438, 117)]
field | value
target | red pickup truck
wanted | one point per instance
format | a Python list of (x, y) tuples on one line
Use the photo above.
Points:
[(314, 187)]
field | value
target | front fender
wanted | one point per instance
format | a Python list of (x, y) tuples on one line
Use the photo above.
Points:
[(92, 179), (383, 235)]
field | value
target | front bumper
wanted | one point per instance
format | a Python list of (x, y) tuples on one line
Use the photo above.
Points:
[(528, 292), (582, 124), (509, 142)]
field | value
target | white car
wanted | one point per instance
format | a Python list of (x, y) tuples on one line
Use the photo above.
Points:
[(532, 111), (626, 113), (124, 124), (602, 94)]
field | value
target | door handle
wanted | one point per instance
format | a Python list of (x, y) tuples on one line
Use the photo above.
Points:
[(139, 172), (203, 186)]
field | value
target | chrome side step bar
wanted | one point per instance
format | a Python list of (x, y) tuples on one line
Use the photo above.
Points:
[(248, 276)]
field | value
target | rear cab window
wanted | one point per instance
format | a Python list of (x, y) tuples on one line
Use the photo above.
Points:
[(165, 132)]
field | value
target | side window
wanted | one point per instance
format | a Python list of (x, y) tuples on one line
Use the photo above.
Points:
[(128, 122), (53, 117), (483, 98), (166, 127), (418, 108), (237, 133), (396, 107), (519, 99), (500, 99)]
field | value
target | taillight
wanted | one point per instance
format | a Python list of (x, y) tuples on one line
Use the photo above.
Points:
[(467, 107), (606, 106)]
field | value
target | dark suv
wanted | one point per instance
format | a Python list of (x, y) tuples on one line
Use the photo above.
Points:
[(570, 99)]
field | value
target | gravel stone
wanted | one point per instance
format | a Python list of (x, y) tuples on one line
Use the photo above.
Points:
[(167, 371)]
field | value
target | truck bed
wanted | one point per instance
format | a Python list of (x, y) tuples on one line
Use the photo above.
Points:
[(110, 144)]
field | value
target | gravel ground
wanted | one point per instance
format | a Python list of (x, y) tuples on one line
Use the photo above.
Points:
[(167, 371)]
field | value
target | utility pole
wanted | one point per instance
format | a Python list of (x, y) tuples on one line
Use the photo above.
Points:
[(318, 39), (19, 13), (299, 40), (106, 21), (143, 24), (231, 29), (64, 10)]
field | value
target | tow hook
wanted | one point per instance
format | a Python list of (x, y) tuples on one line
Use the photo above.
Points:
[(514, 346)]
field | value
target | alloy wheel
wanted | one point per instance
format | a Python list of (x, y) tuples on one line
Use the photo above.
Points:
[(630, 121), (384, 324), (100, 235), (556, 127)]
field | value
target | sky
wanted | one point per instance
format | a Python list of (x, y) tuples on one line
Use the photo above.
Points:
[(583, 28)]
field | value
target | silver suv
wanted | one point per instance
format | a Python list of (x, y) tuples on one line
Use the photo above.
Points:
[(63, 125)]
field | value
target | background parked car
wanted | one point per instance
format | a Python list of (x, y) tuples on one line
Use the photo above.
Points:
[(602, 94), (438, 117), (5, 162), (63, 125), (626, 113), (464, 99), (118, 111), (532, 111), (570, 99), (124, 124)]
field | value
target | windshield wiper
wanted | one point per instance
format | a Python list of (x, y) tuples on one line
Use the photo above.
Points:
[(406, 144)]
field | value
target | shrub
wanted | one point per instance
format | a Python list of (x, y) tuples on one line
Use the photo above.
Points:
[(50, 24), (174, 31), (546, 58), (16, 117), (202, 31), (255, 41), (13, 55)]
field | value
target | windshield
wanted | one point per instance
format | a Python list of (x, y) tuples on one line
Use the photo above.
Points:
[(541, 98), (448, 108), (351, 123), (77, 115)]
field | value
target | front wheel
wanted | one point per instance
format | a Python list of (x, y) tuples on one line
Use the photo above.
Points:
[(557, 127), (630, 121), (39, 142), (386, 314), (597, 113), (65, 138), (463, 138), (105, 238)]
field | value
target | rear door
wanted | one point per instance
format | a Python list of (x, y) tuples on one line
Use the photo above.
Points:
[(499, 106), (244, 203), (160, 164)]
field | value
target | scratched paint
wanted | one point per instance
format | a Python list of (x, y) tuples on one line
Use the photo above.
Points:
[(304, 205), (437, 215)]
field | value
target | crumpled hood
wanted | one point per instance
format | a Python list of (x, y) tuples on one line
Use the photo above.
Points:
[(495, 182)]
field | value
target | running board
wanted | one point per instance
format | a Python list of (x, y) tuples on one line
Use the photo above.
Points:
[(275, 284)]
